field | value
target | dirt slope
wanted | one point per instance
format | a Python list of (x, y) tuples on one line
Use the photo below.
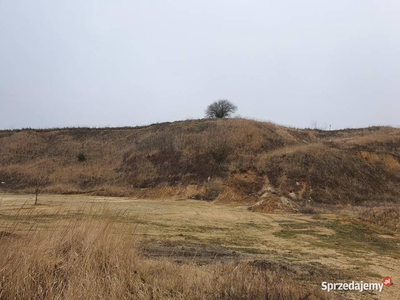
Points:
[(224, 160)]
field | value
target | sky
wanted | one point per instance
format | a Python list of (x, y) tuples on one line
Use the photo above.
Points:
[(98, 63)]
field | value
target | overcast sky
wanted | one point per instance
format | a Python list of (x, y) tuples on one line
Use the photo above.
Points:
[(125, 63)]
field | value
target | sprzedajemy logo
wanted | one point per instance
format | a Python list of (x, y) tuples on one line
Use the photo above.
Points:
[(356, 285)]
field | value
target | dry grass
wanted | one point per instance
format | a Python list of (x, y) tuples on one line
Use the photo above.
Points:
[(85, 247), (62, 249), (347, 166), (91, 255), (388, 217)]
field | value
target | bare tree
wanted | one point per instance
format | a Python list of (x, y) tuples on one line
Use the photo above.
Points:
[(2, 184), (220, 109), (39, 181)]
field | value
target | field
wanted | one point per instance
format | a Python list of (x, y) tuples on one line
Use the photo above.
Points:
[(198, 209), (88, 247)]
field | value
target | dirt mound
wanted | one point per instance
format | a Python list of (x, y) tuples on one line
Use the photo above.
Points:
[(227, 160), (275, 204)]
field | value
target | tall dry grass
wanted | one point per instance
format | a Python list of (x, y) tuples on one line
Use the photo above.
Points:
[(97, 258)]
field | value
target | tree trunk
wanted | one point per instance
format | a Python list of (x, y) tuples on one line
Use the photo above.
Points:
[(36, 195)]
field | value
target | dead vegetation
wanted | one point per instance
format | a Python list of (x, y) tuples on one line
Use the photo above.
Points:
[(387, 217), (85, 247), (223, 160), (193, 249), (91, 263), (88, 253)]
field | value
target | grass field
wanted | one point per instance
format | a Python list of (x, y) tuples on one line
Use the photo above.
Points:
[(85, 247)]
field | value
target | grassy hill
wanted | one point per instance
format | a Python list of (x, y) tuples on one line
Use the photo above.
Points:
[(223, 160)]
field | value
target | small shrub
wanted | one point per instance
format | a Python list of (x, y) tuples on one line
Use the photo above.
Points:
[(81, 157)]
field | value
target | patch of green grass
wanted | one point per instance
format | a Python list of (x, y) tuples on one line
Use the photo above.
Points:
[(352, 237), (253, 225), (204, 229), (286, 234), (290, 229), (242, 241), (249, 250), (357, 235), (298, 225)]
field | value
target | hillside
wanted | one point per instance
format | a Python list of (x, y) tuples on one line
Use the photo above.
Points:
[(223, 160)]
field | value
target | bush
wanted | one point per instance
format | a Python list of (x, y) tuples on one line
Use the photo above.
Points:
[(81, 157)]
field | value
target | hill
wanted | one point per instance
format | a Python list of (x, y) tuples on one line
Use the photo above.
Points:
[(225, 160)]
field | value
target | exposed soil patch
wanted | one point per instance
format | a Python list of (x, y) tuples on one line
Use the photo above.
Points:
[(199, 254)]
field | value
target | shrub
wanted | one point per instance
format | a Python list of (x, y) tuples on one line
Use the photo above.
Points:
[(81, 157)]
